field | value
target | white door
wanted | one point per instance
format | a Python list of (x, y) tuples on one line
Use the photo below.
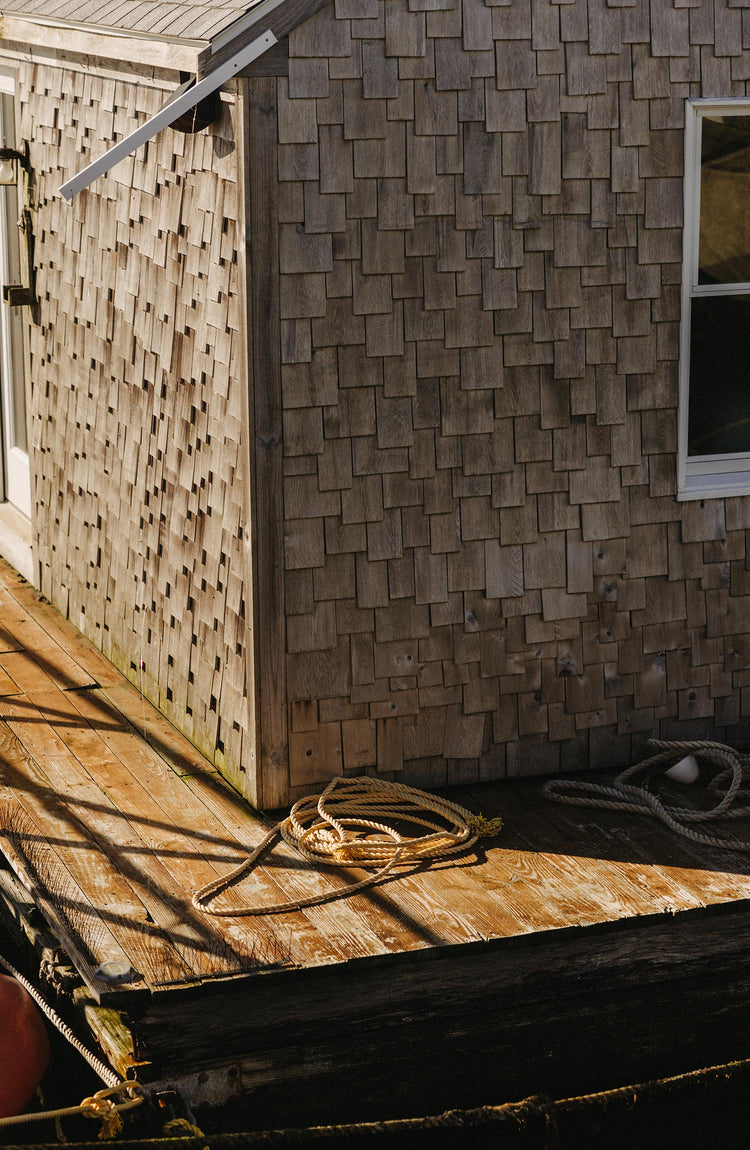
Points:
[(16, 484)]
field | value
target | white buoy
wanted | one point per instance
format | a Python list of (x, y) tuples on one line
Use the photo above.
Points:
[(685, 771)]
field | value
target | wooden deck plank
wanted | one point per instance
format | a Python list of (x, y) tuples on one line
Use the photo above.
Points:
[(436, 919), (416, 916), (715, 876), (8, 685), (339, 920), (305, 944), (543, 890), (669, 890), (637, 847), (39, 843), (463, 899), (50, 798), (407, 896), (490, 910), (176, 751), (179, 800), (653, 857), (134, 854), (170, 845), (35, 641), (604, 882), (59, 897), (7, 642), (197, 782), (693, 874), (313, 938), (272, 882)]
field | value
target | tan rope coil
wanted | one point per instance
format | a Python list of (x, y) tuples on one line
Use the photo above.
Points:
[(624, 795), (343, 827)]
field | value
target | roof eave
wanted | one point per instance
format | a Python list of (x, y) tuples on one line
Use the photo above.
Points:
[(167, 52), (176, 54)]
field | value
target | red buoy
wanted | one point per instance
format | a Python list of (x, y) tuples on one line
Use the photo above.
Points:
[(24, 1047)]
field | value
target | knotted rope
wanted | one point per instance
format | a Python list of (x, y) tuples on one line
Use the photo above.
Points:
[(100, 1105), (624, 795), (106, 1104), (342, 827)]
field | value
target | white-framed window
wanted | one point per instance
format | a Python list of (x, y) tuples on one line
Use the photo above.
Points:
[(714, 451)]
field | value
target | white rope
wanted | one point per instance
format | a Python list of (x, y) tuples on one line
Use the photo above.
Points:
[(99, 1105), (342, 827), (624, 795), (107, 1075)]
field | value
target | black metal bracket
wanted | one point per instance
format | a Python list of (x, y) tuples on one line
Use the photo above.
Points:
[(16, 295), (22, 157)]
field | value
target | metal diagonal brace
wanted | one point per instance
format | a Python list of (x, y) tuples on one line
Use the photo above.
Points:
[(168, 114)]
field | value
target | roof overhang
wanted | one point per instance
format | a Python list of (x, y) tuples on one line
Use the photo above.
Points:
[(176, 55)]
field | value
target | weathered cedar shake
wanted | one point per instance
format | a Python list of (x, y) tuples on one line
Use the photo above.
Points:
[(501, 189), (138, 453), (462, 395)]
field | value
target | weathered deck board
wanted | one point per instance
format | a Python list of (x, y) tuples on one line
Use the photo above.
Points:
[(660, 892), (596, 881), (177, 842), (667, 865), (681, 880), (340, 931), (25, 633), (148, 836), (58, 895), (106, 917)]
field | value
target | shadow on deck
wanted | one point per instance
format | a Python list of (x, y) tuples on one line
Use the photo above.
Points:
[(576, 951)]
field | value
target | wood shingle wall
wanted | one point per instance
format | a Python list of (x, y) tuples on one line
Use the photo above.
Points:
[(480, 245), (136, 408)]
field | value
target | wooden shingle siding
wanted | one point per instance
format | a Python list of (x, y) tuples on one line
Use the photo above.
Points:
[(136, 407), (480, 261)]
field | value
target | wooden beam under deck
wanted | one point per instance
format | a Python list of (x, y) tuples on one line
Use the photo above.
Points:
[(577, 951)]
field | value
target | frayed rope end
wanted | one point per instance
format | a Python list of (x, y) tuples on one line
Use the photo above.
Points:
[(484, 827)]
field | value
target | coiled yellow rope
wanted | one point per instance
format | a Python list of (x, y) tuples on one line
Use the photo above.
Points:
[(342, 827)]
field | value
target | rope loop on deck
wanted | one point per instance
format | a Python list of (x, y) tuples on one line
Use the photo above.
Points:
[(624, 794), (343, 827)]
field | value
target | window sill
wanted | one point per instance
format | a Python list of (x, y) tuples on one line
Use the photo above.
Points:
[(15, 541), (717, 486)]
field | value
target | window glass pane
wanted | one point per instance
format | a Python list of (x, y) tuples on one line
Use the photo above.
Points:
[(724, 244), (719, 418)]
